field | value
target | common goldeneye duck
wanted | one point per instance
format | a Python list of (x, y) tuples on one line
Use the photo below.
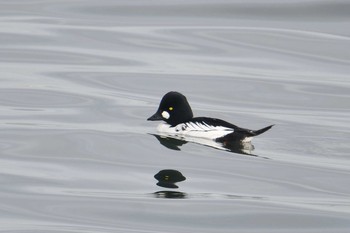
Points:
[(175, 110)]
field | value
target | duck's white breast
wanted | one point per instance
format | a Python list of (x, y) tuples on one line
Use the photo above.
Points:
[(195, 129)]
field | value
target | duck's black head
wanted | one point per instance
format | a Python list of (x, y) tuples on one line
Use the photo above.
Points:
[(173, 109)]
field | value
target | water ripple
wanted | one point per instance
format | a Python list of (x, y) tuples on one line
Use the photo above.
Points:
[(79, 79)]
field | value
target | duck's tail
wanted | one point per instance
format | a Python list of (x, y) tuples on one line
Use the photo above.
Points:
[(241, 135), (260, 131)]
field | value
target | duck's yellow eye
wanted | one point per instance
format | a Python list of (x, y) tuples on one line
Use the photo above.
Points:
[(171, 108)]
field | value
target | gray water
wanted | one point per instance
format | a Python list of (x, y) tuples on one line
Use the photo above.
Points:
[(80, 78)]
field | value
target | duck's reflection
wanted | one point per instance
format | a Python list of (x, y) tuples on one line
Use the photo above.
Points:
[(174, 143), (170, 143), (170, 194), (167, 179)]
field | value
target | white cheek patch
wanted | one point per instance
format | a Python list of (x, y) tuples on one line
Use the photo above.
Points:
[(165, 115)]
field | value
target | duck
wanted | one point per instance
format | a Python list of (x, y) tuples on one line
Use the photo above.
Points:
[(177, 116)]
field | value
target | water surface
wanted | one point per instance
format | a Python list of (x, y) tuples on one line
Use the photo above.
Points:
[(80, 78)]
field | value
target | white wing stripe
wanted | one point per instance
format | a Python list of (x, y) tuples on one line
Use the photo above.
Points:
[(200, 126)]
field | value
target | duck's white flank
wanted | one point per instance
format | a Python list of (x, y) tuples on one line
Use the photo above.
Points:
[(195, 129)]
